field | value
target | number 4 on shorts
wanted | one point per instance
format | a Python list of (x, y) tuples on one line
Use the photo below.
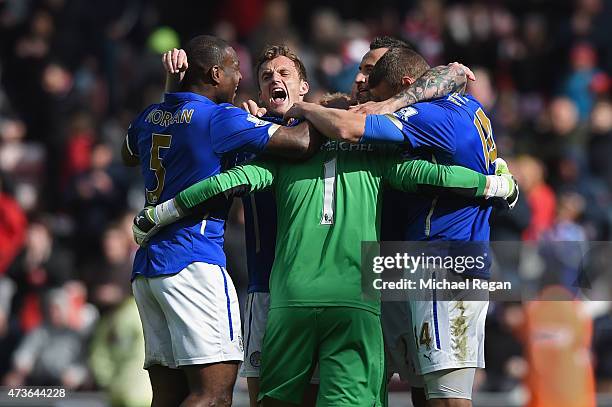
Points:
[(425, 337)]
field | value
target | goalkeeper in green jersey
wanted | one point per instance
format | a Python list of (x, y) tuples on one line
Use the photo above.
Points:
[(326, 207)]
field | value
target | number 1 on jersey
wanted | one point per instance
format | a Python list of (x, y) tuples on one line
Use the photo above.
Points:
[(329, 192), (158, 141)]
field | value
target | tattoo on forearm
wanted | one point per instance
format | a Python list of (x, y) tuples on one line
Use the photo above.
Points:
[(437, 82)]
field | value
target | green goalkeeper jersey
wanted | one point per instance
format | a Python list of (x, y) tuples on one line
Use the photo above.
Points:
[(326, 207)]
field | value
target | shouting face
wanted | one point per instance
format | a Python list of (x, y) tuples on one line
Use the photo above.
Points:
[(280, 85)]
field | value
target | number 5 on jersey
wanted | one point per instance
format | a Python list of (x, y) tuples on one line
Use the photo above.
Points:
[(158, 141)]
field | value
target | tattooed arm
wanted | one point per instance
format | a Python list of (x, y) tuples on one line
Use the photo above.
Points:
[(436, 82), (368, 124)]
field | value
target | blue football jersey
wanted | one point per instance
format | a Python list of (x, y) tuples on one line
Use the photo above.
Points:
[(260, 228), (451, 130), (179, 142), (260, 238)]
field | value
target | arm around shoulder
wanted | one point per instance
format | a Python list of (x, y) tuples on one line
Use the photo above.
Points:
[(297, 142)]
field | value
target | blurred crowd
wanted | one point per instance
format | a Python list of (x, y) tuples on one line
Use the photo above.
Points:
[(74, 73)]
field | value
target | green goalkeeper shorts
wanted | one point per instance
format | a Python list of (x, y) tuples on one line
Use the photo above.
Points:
[(347, 344)]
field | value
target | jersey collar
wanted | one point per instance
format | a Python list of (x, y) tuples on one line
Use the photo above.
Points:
[(280, 120), (185, 96)]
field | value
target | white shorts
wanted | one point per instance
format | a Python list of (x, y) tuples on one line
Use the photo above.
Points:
[(189, 318), (428, 336), (255, 320), (449, 384)]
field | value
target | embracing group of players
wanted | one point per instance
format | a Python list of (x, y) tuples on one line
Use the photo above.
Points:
[(312, 178)]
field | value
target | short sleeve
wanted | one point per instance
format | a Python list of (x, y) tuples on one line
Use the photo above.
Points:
[(381, 129), (233, 129), (426, 125)]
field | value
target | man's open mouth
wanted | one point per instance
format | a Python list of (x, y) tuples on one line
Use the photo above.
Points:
[(278, 95)]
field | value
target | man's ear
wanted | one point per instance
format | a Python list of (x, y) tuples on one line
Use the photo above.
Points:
[(304, 88), (215, 74), (407, 81)]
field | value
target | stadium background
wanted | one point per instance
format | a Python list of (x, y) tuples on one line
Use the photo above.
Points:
[(74, 73)]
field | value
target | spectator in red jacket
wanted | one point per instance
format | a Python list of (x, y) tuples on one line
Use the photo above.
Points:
[(13, 224), (540, 196)]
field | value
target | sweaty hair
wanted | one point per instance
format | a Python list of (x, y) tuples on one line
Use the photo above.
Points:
[(387, 42), (395, 64), (204, 52), (273, 51)]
